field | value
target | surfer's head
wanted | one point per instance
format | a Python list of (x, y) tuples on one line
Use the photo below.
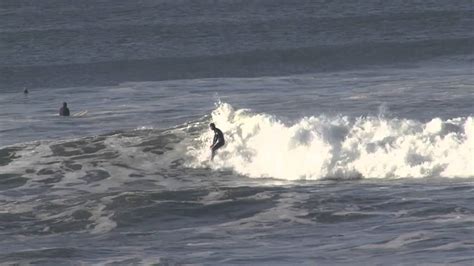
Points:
[(212, 126), (64, 104)]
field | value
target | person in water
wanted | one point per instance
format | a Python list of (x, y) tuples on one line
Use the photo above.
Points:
[(64, 111), (218, 140)]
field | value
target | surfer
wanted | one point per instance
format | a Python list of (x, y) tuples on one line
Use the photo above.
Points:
[(25, 91), (64, 111), (218, 140)]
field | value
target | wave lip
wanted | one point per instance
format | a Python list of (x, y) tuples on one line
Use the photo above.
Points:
[(321, 147)]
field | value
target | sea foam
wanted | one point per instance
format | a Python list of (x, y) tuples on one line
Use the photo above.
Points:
[(317, 147)]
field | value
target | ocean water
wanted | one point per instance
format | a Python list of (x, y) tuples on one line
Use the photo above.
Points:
[(349, 132)]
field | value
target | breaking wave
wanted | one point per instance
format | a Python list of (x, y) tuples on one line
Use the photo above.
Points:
[(94, 184), (257, 145), (318, 147)]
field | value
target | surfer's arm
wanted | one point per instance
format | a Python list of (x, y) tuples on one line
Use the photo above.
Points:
[(214, 141)]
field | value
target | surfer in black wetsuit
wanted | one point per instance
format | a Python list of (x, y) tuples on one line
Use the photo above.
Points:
[(64, 111), (218, 140)]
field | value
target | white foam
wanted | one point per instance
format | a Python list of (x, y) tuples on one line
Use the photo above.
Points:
[(400, 241), (103, 222), (260, 145)]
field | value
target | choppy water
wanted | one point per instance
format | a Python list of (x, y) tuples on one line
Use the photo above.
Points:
[(349, 129)]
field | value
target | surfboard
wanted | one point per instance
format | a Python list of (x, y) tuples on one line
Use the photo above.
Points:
[(80, 114)]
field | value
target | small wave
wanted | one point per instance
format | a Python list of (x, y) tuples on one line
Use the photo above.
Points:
[(251, 63), (318, 147)]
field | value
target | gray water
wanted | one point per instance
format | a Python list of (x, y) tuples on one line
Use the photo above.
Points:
[(69, 43), (349, 127)]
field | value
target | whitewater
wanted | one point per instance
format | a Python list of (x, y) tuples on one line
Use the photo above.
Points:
[(321, 147), (349, 130)]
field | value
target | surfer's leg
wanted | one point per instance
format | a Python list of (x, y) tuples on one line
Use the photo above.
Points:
[(215, 148), (213, 153)]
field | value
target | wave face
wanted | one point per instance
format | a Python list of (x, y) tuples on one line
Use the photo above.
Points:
[(318, 147)]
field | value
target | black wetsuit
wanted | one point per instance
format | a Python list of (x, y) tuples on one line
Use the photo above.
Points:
[(64, 111), (218, 141)]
